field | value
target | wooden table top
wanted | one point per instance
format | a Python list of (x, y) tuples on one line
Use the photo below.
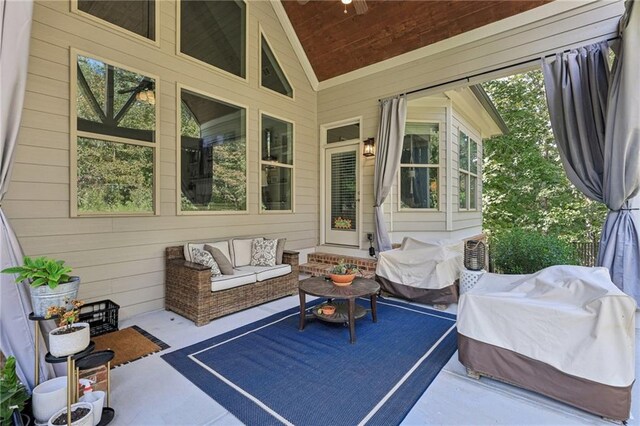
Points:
[(322, 287)]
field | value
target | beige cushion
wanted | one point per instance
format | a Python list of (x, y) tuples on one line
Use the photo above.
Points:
[(223, 246), (280, 250), (224, 282), (241, 251), (223, 262), (266, 272)]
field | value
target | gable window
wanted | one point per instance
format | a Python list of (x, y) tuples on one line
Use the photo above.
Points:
[(214, 32), (276, 179), (272, 76), (213, 154), (115, 146), (419, 166), (137, 16), (468, 169)]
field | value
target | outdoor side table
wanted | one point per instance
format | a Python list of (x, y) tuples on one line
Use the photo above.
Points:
[(468, 279)]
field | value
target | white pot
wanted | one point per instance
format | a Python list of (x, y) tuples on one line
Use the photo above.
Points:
[(85, 421), (49, 397), (71, 343), (95, 398)]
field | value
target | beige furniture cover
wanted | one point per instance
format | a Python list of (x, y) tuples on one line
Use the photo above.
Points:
[(570, 317)]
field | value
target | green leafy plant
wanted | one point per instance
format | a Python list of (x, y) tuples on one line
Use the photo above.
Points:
[(524, 252), (67, 317), (13, 394), (343, 268), (41, 271)]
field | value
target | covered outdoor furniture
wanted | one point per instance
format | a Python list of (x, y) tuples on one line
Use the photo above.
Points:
[(424, 272), (566, 332)]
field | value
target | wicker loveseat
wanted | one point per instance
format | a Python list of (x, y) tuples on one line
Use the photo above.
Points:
[(188, 288)]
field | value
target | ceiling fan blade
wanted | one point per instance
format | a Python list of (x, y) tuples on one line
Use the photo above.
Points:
[(303, 1), (360, 6)]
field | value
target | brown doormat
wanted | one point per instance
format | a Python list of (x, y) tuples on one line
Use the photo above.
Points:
[(129, 344)]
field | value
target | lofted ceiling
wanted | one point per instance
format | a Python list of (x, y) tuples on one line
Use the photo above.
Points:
[(336, 43)]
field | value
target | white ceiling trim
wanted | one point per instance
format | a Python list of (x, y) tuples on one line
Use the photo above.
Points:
[(528, 17), (295, 43)]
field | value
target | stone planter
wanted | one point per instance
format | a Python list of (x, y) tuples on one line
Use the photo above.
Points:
[(49, 397), (43, 297), (69, 343), (85, 421)]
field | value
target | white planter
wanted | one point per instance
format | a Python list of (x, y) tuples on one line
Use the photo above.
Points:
[(85, 421), (96, 398), (49, 397), (71, 343)]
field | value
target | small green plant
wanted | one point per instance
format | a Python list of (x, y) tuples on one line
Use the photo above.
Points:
[(41, 271), (13, 394), (343, 268), (524, 252), (66, 317)]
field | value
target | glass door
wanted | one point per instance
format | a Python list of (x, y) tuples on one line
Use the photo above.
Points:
[(342, 197)]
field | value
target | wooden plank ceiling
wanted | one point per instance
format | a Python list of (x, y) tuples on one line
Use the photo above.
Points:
[(337, 43)]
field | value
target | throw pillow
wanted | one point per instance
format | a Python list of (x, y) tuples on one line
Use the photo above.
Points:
[(280, 250), (223, 263), (241, 251), (203, 257), (263, 252)]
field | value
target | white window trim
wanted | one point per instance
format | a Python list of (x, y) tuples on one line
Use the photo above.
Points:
[(178, 116), (261, 33), (118, 29), (468, 173), (210, 67), (401, 209), (324, 128), (262, 113), (74, 133)]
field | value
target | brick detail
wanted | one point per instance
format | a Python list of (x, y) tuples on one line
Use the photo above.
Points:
[(319, 264), (98, 376)]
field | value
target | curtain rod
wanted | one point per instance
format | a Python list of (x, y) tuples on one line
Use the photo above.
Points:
[(480, 74)]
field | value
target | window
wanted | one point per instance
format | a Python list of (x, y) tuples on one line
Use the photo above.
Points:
[(213, 154), (214, 32), (419, 168), (276, 164), (115, 139), (468, 174), (272, 76), (344, 133), (137, 16)]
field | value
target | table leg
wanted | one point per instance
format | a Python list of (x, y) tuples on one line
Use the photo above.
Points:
[(303, 304), (352, 322), (374, 313)]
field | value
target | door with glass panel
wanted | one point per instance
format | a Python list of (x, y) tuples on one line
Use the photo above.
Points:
[(342, 195)]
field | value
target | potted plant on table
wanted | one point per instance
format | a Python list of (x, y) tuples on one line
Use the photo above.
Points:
[(49, 280), (343, 273), (71, 336), (13, 394)]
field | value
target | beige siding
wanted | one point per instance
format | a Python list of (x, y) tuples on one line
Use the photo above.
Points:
[(585, 24), (121, 258)]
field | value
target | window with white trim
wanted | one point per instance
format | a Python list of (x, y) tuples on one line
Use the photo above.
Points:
[(276, 164), (419, 166), (115, 139), (137, 16), (468, 173)]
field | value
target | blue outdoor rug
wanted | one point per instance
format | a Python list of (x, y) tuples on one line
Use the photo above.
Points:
[(268, 372)]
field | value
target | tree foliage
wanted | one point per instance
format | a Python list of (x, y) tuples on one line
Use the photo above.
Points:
[(524, 183)]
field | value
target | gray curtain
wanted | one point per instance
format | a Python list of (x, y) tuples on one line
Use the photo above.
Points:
[(596, 126), (393, 112), (16, 331)]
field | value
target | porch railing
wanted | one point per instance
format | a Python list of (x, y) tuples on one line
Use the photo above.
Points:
[(586, 251)]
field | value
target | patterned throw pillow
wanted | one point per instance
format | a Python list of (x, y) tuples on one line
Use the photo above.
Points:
[(203, 257), (263, 252)]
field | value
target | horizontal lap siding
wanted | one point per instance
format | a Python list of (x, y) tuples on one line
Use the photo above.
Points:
[(465, 219), (122, 258), (588, 23)]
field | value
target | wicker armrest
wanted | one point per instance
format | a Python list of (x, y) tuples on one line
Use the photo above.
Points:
[(290, 257), (190, 265)]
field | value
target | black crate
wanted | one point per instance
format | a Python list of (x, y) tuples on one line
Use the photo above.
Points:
[(102, 316)]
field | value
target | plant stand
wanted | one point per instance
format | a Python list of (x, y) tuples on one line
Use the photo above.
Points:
[(94, 360)]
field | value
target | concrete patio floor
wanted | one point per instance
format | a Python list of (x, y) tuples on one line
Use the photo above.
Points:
[(150, 392)]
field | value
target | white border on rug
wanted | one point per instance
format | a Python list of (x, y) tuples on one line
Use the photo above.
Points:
[(375, 409)]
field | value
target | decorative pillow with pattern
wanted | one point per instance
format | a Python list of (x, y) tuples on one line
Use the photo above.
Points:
[(263, 252), (203, 257)]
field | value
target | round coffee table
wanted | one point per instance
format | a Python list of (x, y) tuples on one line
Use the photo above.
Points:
[(322, 287)]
